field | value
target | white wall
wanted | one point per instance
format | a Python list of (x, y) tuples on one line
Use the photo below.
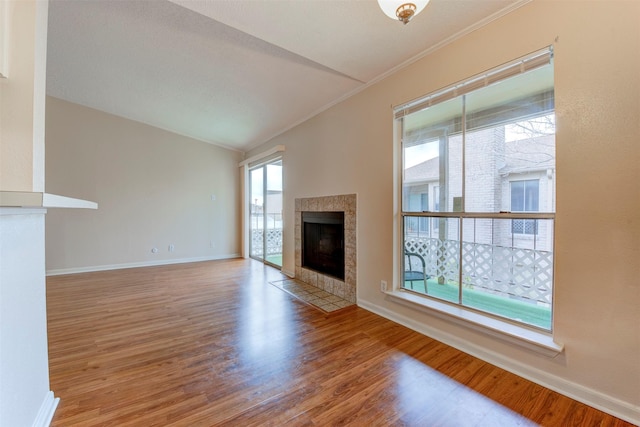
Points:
[(25, 398), (22, 96), (24, 365), (349, 149), (153, 189)]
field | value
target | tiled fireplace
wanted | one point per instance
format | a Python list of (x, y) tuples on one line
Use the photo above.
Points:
[(346, 288)]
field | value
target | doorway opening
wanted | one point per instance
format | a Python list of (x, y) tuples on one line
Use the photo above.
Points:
[(265, 212)]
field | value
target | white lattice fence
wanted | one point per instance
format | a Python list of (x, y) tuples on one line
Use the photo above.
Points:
[(274, 242), (521, 273)]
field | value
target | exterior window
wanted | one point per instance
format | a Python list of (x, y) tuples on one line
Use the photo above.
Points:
[(436, 198), (436, 207), (484, 151), (418, 203), (524, 198), (423, 226)]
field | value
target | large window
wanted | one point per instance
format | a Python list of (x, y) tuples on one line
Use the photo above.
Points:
[(484, 150)]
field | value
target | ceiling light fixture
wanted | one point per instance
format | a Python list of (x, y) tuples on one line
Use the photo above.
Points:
[(402, 10)]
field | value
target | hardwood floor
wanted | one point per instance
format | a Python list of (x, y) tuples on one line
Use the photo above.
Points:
[(212, 343)]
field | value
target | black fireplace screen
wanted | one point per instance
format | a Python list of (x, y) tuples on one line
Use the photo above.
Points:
[(323, 242)]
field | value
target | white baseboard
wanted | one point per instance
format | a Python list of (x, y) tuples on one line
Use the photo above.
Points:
[(611, 405), (47, 409), (288, 273), (58, 272)]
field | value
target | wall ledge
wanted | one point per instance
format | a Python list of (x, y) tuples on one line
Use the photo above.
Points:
[(28, 199), (22, 211)]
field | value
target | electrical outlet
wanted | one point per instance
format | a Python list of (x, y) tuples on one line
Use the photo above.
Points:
[(383, 286), (154, 250), (171, 248)]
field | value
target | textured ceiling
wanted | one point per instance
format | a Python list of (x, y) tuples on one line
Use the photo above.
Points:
[(236, 73)]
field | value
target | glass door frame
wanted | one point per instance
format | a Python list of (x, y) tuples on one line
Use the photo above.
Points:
[(259, 213), (257, 178), (245, 165)]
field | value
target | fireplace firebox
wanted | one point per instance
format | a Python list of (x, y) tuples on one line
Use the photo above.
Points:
[(323, 242)]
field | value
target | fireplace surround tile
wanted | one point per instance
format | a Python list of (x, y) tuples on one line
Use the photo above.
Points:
[(313, 278), (340, 203)]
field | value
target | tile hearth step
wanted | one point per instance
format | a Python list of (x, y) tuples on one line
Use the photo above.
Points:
[(312, 295)]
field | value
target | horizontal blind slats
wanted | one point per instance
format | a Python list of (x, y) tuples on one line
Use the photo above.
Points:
[(518, 66)]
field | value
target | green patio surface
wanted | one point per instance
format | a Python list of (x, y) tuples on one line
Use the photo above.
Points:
[(276, 259), (510, 308), (505, 307)]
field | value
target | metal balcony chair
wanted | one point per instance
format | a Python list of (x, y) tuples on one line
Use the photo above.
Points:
[(415, 269)]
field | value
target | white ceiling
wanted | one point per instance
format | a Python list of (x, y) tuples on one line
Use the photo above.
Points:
[(237, 73)]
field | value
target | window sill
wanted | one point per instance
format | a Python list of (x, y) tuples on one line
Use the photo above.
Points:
[(531, 339)]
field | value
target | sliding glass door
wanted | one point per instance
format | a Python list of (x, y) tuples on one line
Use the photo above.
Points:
[(265, 226)]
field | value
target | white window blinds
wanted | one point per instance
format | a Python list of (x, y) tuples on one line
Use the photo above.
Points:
[(521, 65)]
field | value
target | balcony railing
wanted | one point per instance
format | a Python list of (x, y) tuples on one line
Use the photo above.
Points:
[(524, 274), (274, 242)]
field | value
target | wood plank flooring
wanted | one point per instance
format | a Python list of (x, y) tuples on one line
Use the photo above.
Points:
[(213, 344)]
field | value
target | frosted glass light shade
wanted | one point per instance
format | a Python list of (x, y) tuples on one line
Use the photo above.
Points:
[(390, 7)]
